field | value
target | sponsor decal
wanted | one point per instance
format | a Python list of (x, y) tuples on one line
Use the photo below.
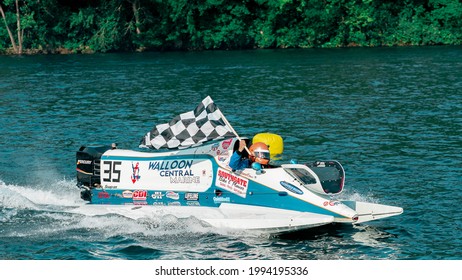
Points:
[(168, 173), (222, 158), (103, 195), (127, 194), (225, 144), (216, 149), (158, 204), (187, 180), (232, 182), (290, 187), (140, 195), (181, 174), (172, 195), (193, 203), (191, 196), (331, 203), (247, 174), (157, 195), (221, 199), (136, 172), (179, 171), (140, 203), (175, 203), (83, 161), (170, 165)]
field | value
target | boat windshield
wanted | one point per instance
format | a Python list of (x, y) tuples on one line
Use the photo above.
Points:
[(301, 175)]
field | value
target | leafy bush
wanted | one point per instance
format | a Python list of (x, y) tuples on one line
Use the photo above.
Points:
[(126, 25)]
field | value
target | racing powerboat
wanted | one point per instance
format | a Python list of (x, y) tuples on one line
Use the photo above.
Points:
[(197, 181)]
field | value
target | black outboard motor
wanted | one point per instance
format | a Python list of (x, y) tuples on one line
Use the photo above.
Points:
[(88, 169)]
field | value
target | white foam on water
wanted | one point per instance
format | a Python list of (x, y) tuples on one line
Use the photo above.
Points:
[(59, 193), (350, 194), (11, 196), (7, 214)]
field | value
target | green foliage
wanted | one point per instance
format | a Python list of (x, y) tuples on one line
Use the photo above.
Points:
[(125, 25)]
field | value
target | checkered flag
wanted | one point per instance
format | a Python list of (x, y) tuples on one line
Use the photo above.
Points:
[(203, 124)]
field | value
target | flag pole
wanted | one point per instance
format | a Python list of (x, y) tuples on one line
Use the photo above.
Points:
[(233, 131)]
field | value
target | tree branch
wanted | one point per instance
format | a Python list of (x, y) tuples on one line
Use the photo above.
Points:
[(13, 42)]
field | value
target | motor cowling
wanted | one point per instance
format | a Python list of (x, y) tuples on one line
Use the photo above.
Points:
[(88, 168)]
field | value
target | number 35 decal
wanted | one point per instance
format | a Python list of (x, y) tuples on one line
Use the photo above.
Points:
[(112, 171)]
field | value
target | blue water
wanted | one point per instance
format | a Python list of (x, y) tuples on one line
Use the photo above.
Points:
[(391, 116)]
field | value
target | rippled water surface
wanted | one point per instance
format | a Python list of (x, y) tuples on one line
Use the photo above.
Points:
[(392, 117)]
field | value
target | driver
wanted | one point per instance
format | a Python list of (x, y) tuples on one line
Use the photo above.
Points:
[(259, 152)]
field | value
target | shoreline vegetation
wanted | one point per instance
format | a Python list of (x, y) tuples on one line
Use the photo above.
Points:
[(99, 26)]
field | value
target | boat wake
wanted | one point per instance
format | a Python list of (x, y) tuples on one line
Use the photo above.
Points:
[(60, 193)]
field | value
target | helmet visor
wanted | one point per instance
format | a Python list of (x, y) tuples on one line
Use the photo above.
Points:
[(262, 154)]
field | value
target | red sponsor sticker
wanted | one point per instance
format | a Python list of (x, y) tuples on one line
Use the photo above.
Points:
[(225, 144), (331, 203), (140, 195), (103, 195)]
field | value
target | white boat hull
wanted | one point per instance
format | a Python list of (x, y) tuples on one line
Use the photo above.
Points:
[(227, 216), (371, 211)]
